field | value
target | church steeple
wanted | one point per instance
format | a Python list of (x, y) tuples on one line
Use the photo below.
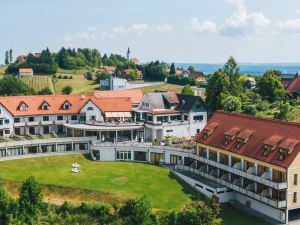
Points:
[(128, 54)]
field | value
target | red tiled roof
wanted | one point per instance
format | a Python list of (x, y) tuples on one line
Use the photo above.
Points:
[(113, 105), (294, 85), (25, 70), (13, 103), (232, 132), (136, 95), (273, 140), (259, 131)]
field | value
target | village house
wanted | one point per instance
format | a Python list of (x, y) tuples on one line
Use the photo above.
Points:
[(25, 72)]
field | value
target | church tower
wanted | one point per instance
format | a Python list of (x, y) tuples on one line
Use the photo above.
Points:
[(128, 54)]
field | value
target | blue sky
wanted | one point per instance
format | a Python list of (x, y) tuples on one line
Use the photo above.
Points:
[(195, 31)]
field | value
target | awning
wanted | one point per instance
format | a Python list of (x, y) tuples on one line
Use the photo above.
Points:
[(117, 114)]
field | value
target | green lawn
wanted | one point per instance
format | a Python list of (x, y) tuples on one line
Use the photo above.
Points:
[(107, 180), (162, 87), (79, 83)]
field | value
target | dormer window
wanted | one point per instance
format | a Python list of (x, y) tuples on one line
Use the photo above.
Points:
[(287, 147), (230, 135), (66, 105), (227, 140), (209, 129), (270, 144), (240, 143), (45, 106), (283, 153), (23, 107)]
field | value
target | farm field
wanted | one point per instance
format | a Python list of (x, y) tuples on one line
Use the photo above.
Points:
[(79, 83), (39, 82), (104, 181)]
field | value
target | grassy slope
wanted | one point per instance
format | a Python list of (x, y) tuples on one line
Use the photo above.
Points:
[(79, 83), (39, 82), (162, 87), (75, 71), (2, 69), (103, 181)]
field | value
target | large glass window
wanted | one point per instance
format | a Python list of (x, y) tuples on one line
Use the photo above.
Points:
[(45, 118), (74, 117), (59, 118), (140, 156), (17, 120), (123, 155), (176, 117), (162, 118), (31, 119)]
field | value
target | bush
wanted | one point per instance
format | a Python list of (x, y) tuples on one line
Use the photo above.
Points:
[(65, 77), (181, 80), (250, 109), (262, 106)]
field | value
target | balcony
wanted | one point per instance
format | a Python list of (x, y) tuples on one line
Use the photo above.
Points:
[(242, 173), (32, 123), (46, 122), (233, 186), (60, 122), (20, 124), (251, 170)]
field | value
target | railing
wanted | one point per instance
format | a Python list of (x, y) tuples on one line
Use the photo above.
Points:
[(114, 124), (241, 173), (274, 203)]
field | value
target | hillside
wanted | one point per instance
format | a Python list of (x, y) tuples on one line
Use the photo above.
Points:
[(39, 82)]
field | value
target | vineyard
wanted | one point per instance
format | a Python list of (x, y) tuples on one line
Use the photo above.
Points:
[(39, 82)]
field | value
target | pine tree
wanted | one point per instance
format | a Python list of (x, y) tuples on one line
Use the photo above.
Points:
[(10, 55), (172, 69), (6, 57), (232, 70)]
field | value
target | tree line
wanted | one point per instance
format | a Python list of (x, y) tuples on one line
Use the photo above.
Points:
[(227, 89), (30, 209)]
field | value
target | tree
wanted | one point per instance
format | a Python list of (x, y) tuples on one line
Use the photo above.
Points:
[(283, 112), (45, 91), (231, 103), (136, 212), (198, 212), (155, 71), (10, 55), (187, 90), (31, 197), (11, 85), (67, 90), (232, 70), (6, 57), (191, 69), (269, 86), (89, 75), (218, 83), (4, 205), (172, 69), (250, 109)]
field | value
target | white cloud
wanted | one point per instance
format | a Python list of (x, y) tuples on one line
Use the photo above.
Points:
[(93, 33), (142, 28), (243, 22), (291, 25), (202, 27), (164, 28)]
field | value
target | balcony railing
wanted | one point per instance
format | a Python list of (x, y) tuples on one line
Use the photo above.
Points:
[(242, 173), (271, 202)]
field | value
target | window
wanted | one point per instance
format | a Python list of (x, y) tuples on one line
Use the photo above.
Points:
[(6, 121), (176, 117), (295, 197), (7, 131), (197, 131), (45, 118), (90, 108), (1, 122), (198, 118), (59, 118), (45, 106), (162, 119), (17, 131), (295, 179), (23, 107), (268, 150), (169, 131), (66, 105), (17, 120), (240, 142), (227, 140), (74, 117), (150, 118), (186, 117), (46, 129), (283, 153), (31, 130), (31, 119)]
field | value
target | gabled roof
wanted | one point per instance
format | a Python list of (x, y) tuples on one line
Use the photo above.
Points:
[(13, 103), (258, 131), (113, 105), (25, 70), (294, 85), (135, 95), (187, 102)]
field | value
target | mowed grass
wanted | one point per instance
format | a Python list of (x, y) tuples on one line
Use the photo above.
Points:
[(79, 83), (122, 179), (39, 82), (162, 87)]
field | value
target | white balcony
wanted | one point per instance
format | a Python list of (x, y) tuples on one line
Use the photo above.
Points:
[(20, 124), (46, 122), (60, 122), (32, 123)]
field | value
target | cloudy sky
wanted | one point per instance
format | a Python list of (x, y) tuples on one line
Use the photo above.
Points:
[(194, 31)]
